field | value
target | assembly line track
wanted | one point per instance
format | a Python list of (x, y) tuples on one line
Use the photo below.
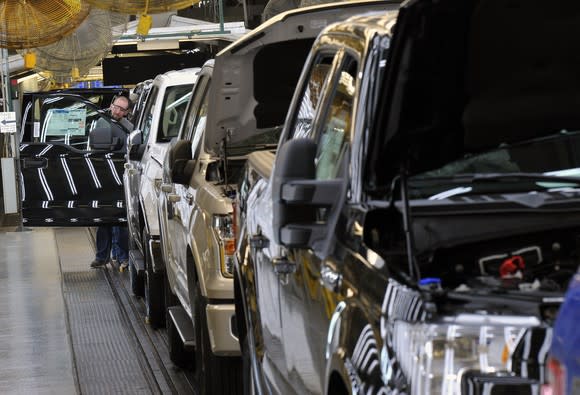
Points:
[(151, 344)]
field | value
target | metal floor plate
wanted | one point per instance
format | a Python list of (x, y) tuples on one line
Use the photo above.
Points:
[(104, 352)]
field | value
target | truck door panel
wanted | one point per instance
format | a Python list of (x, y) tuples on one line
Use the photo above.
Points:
[(64, 182)]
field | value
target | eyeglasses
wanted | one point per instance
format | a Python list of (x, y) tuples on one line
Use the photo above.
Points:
[(119, 108)]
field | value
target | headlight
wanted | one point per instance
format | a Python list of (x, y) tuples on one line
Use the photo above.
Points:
[(433, 356), (224, 227)]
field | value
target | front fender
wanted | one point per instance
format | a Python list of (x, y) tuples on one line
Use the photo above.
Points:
[(132, 204), (353, 352), (206, 253), (148, 199)]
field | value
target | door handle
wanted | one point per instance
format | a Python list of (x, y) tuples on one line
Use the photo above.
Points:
[(283, 266), (330, 279), (189, 198), (131, 169), (173, 198), (34, 163), (259, 241)]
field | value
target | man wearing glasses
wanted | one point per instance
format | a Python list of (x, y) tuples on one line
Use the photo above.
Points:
[(119, 110), (115, 239)]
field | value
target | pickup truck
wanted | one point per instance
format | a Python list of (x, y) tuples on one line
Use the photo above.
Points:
[(418, 225), (159, 121), (238, 105)]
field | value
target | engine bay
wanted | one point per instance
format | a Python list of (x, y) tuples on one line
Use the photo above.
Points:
[(481, 252), (542, 261)]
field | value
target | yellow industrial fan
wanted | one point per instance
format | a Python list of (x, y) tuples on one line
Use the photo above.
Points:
[(74, 55), (33, 23), (143, 8)]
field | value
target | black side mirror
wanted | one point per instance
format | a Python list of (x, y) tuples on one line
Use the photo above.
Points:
[(297, 196), (135, 146), (180, 163), (102, 139)]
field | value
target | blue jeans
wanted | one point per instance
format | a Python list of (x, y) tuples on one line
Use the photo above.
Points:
[(120, 247), (115, 239)]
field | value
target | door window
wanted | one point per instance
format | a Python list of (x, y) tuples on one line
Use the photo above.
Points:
[(69, 120), (194, 125), (199, 125), (174, 106), (311, 97), (336, 128), (148, 114)]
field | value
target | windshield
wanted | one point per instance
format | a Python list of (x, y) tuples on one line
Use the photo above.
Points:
[(266, 139), (547, 163)]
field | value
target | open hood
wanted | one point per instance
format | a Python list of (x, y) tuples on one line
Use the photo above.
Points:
[(465, 77), (255, 77)]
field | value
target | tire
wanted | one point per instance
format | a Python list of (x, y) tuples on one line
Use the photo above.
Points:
[(170, 298), (136, 280), (154, 290), (214, 375)]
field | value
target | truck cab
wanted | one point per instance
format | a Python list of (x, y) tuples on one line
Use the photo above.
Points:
[(159, 121)]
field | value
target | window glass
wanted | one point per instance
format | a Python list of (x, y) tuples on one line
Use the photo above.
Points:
[(142, 91), (148, 117), (336, 128), (199, 125), (174, 106), (302, 124), (68, 120), (192, 109)]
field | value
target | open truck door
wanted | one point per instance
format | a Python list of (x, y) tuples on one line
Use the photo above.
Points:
[(65, 181)]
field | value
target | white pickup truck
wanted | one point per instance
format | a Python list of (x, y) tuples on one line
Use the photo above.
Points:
[(158, 123)]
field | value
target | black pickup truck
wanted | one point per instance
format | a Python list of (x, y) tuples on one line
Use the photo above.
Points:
[(420, 220)]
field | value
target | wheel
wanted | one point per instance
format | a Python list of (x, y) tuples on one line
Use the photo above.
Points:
[(154, 299), (170, 298), (136, 280), (154, 289), (214, 375)]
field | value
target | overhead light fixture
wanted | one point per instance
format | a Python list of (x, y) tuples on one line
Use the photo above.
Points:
[(157, 45)]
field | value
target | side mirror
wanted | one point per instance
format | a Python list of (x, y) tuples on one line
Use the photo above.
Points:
[(134, 145), (102, 139), (297, 197), (179, 164)]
